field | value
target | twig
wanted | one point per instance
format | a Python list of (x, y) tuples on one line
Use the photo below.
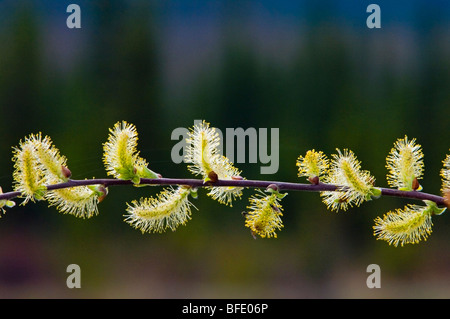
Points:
[(197, 183)]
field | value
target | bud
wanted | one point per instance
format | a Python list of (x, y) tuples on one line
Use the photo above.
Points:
[(447, 197), (376, 192), (142, 171), (194, 192), (272, 188), (212, 177), (415, 184), (66, 172), (314, 180), (275, 190), (434, 209), (100, 191)]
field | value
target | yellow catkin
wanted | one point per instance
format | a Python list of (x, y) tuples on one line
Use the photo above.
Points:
[(264, 217), (355, 185), (50, 161), (120, 155), (404, 226), (119, 152), (78, 201), (313, 164), (404, 164), (203, 158), (28, 177), (445, 174), (170, 209)]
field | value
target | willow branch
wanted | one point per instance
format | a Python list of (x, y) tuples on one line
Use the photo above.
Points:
[(198, 183)]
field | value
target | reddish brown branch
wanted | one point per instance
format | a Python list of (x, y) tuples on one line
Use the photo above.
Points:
[(197, 183)]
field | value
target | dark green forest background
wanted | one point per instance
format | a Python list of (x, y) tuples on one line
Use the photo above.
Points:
[(313, 70)]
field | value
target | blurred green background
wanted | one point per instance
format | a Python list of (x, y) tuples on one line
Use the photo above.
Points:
[(310, 68)]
